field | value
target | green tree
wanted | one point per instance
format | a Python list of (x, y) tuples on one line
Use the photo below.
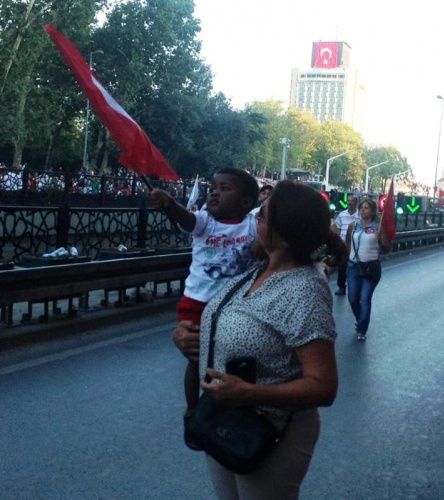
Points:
[(152, 66), (302, 131), (396, 164), (267, 152), (35, 109), (333, 139)]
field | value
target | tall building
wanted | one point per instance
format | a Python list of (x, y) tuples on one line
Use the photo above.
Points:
[(330, 90)]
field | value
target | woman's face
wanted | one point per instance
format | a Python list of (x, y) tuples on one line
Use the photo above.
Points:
[(366, 212)]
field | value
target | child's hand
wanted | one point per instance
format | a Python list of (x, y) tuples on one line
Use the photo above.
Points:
[(161, 200)]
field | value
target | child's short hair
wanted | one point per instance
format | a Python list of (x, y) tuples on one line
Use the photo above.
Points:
[(250, 187)]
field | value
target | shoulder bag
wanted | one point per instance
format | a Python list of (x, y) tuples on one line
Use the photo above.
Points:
[(238, 438)]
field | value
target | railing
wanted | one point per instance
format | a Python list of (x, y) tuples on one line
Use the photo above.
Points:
[(68, 281), (38, 230), (412, 240)]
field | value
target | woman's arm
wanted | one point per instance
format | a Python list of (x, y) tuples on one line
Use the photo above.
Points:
[(383, 241), (317, 386)]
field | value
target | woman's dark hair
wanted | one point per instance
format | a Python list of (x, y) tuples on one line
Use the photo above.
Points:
[(249, 185), (373, 207), (301, 217)]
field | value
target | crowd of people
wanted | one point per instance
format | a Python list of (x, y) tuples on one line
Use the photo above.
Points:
[(120, 183)]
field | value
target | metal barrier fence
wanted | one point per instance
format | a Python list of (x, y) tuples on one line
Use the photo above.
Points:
[(37, 230)]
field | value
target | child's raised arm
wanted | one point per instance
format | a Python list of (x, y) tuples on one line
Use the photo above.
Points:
[(175, 211)]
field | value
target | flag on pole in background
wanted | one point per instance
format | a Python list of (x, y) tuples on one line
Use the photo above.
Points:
[(388, 216), (138, 152), (194, 194)]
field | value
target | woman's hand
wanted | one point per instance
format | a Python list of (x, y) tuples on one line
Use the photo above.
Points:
[(186, 336), (316, 387), (232, 391)]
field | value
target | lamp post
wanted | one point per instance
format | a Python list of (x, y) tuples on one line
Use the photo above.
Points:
[(366, 173), (286, 144), (400, 173), (85, 144), (435, 186), (327, 169)]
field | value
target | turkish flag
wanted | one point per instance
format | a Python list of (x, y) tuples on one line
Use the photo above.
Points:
[(326, 55), (388, 216), (138, 152)]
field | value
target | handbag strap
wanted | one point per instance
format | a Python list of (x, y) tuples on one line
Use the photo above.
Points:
[(353, 242), (215, 317)]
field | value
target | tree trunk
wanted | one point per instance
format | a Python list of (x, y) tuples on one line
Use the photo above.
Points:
[(97, 148), (104, 164), (27, 21), (19, 140)]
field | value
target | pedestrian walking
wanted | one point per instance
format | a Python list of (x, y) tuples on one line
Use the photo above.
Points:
[(280, 317), (366, 240), (343, 220)]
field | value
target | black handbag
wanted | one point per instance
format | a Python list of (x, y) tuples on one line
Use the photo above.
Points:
[(370, 270), (238, 438)]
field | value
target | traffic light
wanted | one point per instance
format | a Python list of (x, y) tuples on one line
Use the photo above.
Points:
[(381, 201), (413, 204), (400, 203), (333, 199)]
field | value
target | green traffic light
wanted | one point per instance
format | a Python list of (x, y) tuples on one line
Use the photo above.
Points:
[(332, 206), (399, 210)]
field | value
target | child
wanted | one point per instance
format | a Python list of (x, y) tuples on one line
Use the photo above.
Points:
[(222, 237)]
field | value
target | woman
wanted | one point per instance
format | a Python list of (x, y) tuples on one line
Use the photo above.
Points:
[(365, 240), (282, 316)]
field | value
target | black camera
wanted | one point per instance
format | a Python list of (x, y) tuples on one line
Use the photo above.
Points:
[(244, 367)]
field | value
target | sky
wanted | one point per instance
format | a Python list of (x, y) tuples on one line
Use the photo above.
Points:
[(396, 45)]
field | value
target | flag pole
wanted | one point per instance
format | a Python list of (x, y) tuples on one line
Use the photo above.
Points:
[(147, 183)]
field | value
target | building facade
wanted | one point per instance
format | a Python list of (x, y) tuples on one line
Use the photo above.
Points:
[(330, 90)]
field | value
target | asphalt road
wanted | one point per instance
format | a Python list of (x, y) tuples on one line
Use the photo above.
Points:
[(97, 415)]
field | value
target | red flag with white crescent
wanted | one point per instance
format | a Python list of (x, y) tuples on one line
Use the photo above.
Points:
[(326, 55), (138, 152)]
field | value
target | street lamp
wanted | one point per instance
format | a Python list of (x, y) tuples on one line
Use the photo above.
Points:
[(435, 187), (366, 174), (327, 169), (286, 144), (85, 144), (400, 173)]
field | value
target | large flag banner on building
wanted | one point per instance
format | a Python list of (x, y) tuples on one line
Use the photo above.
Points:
[(138, 152), (388, 216), (325, 55)]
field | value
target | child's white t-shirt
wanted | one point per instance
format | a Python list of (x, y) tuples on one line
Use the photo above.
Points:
[(220, 251)]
